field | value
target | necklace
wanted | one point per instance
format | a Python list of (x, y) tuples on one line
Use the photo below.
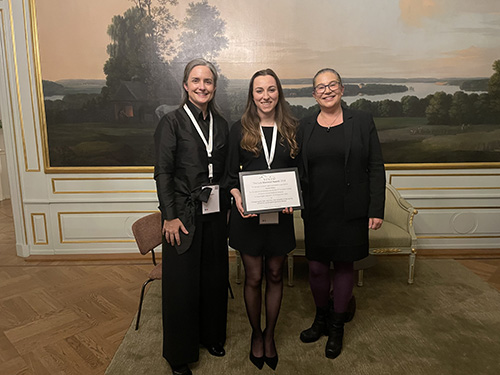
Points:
[(329, 125)]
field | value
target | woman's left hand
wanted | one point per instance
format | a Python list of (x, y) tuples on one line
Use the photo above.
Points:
[(374, 223), (288, 210)]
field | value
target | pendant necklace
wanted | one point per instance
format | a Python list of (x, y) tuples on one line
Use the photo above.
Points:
[(336, 118)]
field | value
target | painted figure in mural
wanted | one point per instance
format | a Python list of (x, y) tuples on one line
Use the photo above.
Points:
[(264, 138), (191, 148), (343, 184)]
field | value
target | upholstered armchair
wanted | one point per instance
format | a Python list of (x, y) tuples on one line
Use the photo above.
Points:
[(397, 235)]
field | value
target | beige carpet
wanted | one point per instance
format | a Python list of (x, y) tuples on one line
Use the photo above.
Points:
[(448, 322)]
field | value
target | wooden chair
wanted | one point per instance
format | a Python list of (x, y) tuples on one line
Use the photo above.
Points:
[(148, 236)]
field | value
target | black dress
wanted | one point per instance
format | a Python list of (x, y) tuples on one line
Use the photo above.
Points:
[(247, 235), (329, 237)]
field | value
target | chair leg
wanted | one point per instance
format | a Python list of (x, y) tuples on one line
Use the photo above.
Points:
[(290, 269), (411, 267), (360, 277), (140, 303), (230, 289), (238, 267)]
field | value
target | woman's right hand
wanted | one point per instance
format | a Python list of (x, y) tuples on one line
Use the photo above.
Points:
[(239, 203), (171, 231)]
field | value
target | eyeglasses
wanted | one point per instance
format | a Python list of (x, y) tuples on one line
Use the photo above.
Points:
[(320, 89)]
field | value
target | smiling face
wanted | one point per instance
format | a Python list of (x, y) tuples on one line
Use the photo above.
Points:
[(265, 95), (329, 98), (200, 86)]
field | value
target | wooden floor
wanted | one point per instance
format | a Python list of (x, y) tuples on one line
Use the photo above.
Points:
[(69, 316)]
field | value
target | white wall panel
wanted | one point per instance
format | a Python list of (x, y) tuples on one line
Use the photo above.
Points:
[(103, 185), (39, 226)]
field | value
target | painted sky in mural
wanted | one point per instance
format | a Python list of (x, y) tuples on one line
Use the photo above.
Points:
[(380, 38)]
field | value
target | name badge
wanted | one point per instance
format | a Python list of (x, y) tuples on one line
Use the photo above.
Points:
[(269, 218), (212, 205)]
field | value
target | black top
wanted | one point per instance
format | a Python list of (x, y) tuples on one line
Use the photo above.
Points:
[(181, 165), (364, 174), (326, 168), (247, 235)]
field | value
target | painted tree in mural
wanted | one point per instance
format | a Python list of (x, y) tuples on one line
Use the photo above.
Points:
[(142, 48), (203, 36), (494, 90), (437, 111), (132, 43), (462, 108), (133, 52)]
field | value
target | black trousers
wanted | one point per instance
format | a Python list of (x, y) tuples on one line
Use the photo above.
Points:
[(195, 291)]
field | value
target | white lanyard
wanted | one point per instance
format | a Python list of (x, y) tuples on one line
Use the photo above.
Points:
[(269, 158), (208, 144)]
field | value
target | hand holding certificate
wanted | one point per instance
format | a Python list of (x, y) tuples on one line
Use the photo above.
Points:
[(270, 190)]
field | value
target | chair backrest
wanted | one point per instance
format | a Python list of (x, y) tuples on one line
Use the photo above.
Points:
[(147, 232), (397, 209)]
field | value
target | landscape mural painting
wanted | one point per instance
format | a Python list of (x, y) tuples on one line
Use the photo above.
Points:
[(428, 70)]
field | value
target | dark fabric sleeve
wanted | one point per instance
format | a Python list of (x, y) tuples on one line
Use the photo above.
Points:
[(231, 179), (165, 150), (376, 173)]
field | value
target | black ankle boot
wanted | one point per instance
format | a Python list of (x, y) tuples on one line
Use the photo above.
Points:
[(318, 328), (335, 334), (351, 309)]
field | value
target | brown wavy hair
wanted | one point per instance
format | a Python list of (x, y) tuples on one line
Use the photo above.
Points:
[(250, 121)]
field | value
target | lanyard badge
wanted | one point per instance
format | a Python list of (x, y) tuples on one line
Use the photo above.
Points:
[(273, 217), (269, 155), (209, 144), (212, 205)]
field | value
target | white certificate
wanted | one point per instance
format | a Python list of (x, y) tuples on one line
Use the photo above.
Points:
[(270, 190)]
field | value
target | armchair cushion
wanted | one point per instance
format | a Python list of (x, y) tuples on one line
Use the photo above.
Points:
[(389, 236)]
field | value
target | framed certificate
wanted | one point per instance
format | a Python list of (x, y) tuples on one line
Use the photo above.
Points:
[(270, 190)]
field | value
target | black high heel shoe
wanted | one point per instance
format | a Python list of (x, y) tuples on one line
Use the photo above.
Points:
[(257, 361), (271, 361)]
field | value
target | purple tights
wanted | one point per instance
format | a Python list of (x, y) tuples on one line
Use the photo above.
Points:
[(339, 286)]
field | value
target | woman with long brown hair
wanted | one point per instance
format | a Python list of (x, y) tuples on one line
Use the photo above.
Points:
[(263, 139)]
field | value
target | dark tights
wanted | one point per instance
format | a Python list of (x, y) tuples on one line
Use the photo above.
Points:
[(340, 284), (253, 299)]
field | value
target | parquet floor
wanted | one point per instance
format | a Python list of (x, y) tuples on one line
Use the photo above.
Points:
[(63, 317), (69, 317)]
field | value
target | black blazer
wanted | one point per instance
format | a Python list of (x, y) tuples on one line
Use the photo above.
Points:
[(181, 165), (364, 166)]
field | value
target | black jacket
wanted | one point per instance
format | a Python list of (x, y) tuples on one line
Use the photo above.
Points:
[(364, 166), (181, 165)]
